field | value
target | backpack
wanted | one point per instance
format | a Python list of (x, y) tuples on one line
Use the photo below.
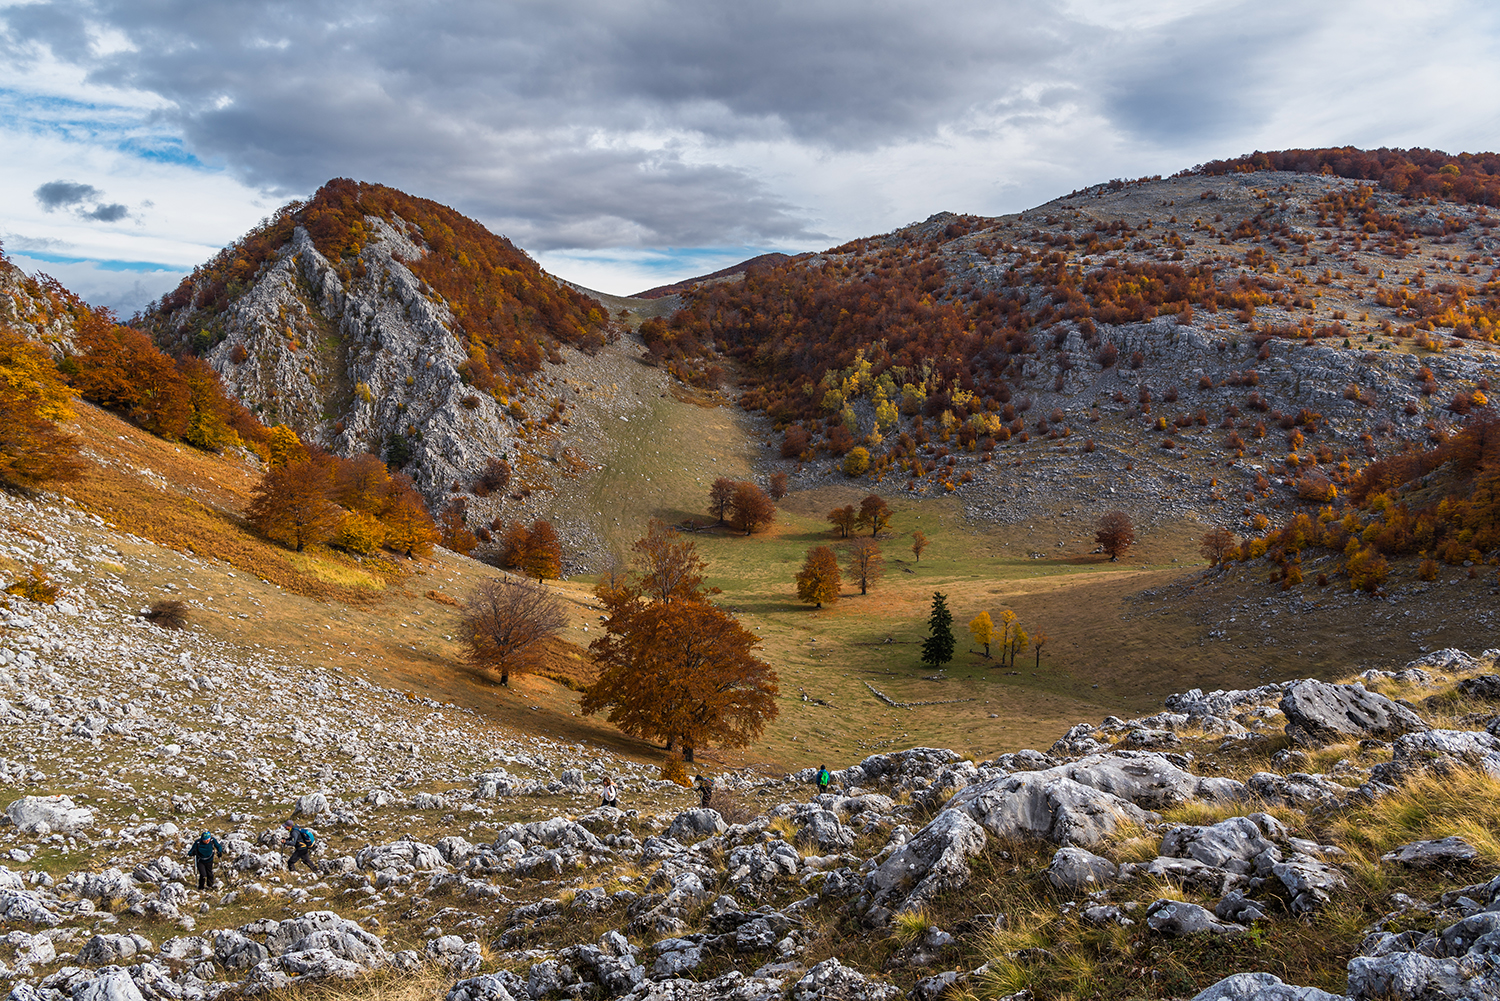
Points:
[(824, 778), (307, 838)]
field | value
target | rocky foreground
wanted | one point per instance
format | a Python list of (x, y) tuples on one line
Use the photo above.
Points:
[(447, 844)]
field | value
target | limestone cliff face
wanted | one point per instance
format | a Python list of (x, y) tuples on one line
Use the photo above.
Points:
[(42, 312), (357, 365)]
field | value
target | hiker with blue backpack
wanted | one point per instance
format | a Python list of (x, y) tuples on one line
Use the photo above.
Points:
[(302, 840)]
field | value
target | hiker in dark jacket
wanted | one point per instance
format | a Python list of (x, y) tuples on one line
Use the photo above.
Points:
[(301, 840), (824, 778), (203, 852), (705, 790)]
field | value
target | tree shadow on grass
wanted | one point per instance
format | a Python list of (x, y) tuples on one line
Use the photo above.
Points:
[(769, 606)]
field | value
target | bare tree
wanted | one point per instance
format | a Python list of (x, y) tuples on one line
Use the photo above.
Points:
[(1116, 534), (1215, 544), (866, 565), (505, 621), (667, 565), (720, 495)]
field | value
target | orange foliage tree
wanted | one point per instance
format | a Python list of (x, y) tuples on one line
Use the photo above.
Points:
[(750, 508), (818, 581), (543, 551), (844, 519), (672, 665), (290, 505), (1116, 534)]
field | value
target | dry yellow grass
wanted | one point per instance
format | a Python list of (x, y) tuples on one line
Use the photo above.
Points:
[(1426, 808), (425, 984)]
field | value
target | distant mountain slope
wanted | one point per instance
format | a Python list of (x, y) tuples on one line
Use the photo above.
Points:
[(1165, 327), (371, 320), (763, 261)]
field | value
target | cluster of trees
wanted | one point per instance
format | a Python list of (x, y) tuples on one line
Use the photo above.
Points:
[(939, 644), (511, 315), (535, 550), (673, 666), (820, 580), (1414, 173), (1009, 637), (873, 513), (741, 504), (308, 497), (1440, 503), (179, 400)]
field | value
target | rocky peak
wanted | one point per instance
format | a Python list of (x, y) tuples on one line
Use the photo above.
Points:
[(354, 365)]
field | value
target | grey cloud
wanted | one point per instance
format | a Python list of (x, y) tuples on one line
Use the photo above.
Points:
[(577, 124), (1202, 77), (106, 213), (57, 194), (606, 123)]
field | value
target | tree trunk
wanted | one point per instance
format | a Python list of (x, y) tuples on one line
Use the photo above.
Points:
[(687, 754)]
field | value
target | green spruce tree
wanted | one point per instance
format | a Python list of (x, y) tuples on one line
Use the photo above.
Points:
[(937, 649)]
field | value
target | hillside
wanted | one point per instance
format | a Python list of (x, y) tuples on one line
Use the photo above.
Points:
[(1294, 833), (372, 321), (1204, 346)]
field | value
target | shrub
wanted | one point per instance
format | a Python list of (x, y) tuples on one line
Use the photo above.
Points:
[(168, 613), (673, 769), (493, 479), (360, 532), (35, 586), (794, 442), (856, 461)]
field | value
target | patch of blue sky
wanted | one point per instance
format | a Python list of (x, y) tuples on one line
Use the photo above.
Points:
[(137, 266), (627, 270), (161, 149), (49, 108), (680, 261), (128, 129)]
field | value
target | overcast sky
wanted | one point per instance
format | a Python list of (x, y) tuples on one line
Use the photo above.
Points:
[(627, 143)]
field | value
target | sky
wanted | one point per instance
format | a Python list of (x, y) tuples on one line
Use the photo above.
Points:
[(630, 143)]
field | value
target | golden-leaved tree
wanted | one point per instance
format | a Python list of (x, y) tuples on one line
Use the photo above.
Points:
[(33, 449), (982, 628), (673, 666), (818, 581)]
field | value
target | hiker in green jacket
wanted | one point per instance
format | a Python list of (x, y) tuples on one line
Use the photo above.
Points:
[(203, 852)]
